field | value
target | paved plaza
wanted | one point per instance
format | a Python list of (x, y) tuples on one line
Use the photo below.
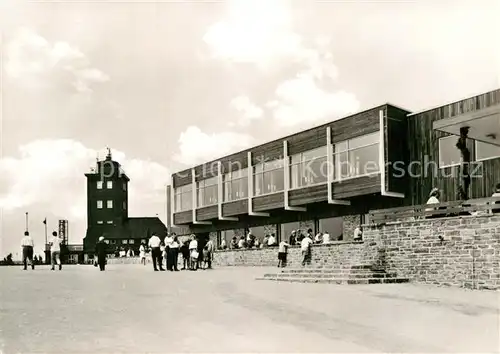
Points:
[(131, 309)]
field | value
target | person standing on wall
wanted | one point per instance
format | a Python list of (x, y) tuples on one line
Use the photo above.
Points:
[(101, 252), (154, 244), (28, 245), (55, 251)]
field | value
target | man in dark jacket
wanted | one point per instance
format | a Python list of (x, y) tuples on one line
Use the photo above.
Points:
[(100, 253)]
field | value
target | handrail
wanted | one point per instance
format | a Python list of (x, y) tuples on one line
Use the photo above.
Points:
[(453, 208)]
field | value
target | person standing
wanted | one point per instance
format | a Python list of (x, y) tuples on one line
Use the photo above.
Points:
[(100, 253), (305, 246), (185, 254), (27, 245), (293, 238), (154, 244), (174, 254), (210, 253), (168, 251), (282, 253), (358, 233), (193, 253), (142, 253), (55, 251)]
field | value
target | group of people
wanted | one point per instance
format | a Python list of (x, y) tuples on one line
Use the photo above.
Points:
[(28, 247), (194, 253), (435, 195)]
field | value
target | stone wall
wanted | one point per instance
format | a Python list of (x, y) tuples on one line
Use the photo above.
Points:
[(460, 251), (350, 222), (336, 254)]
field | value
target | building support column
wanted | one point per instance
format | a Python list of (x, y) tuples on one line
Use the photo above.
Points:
[(220, 194), (193, 182), (330, 170), (286, 175), (250, 188)]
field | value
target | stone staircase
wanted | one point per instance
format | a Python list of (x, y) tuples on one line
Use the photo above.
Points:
[(360, 274)]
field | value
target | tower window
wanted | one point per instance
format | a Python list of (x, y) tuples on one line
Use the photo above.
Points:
[(99, 184), (110, 204), (109, 222), (99, 204), (124, 186), (100, 222), (109, 184)]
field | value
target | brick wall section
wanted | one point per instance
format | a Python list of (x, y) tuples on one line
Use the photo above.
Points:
[(349, 224), (468, 256), (337, 254)]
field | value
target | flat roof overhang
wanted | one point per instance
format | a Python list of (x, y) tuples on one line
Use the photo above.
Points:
[(484, 125)]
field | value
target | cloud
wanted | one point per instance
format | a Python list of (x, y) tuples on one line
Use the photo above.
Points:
[(260, 33), (301, 101), (37, 63), (48, 177), (196, 146), (255, 32), (247, 109)]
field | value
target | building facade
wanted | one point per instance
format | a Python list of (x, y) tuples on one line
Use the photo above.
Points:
[(329, 177), (107, 211)]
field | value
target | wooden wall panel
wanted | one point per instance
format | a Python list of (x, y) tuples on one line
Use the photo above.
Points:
[(307, 195), (267, 152), (308, 140), (182, 178), (207, 170), (356, 125), (207, 213), (424, 147), (184, 217), (234, 162), (268, 202), (238, 207), (356, 187)]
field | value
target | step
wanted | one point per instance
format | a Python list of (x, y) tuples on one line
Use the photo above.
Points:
[(340, 281), (338, 270), (329, 275)]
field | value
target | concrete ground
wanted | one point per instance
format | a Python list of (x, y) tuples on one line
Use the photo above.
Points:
[(131, 309)]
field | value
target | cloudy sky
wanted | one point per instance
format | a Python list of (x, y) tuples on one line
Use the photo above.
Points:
[(170, 84)]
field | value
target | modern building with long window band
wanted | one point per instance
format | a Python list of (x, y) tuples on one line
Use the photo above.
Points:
[(329, 177)]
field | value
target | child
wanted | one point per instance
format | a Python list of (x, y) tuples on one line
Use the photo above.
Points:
[(206, 254), (282, 252)]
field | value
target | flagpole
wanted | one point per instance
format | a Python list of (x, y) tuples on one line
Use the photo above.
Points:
[(26, 221), (45, 224)]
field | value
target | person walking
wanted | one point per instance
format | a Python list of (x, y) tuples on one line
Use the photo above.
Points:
[(210, 253), (55, 251), (100, 253), (174, 254), (27, 246), (154, 244), (142, 253)]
